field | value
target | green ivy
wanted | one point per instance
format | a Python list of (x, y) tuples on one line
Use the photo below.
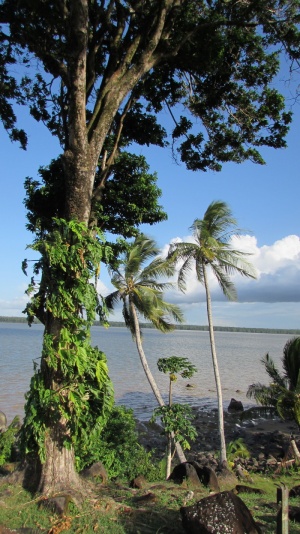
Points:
[(66, 296)]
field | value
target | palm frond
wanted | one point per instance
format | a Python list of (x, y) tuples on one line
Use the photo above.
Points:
[(233, 261), (264, 395), (291, 361), (140, 252), (226, 285), (158, 268), (185, 268), (112, 299), (272, 371)]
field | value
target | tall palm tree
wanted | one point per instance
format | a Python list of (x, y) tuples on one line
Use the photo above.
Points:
[(211, 248), (140, 289)]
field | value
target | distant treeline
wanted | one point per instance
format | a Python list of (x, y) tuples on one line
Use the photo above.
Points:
[(4, 319)]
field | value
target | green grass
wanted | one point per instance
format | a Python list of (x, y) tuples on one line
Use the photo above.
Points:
[(117, 509)]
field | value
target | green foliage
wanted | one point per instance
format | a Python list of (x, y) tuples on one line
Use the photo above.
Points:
[(10, 91), (138, 283), (70, 258), (118, 449), (176, 365), (79, 391), (129, 198), (237, 449), (216, 61), (8, 439), (212, 248), (283, 393), (177, 419)]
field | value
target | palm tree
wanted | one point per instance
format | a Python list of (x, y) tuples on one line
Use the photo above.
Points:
[(139, 287), (211, 248), (283, 393)]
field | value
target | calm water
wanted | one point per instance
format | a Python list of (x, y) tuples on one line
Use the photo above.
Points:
[(239, 357)]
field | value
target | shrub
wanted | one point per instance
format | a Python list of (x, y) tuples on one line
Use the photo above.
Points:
[(8, 439), (119, 450)]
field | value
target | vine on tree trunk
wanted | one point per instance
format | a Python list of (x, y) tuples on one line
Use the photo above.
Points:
[(71, 390)]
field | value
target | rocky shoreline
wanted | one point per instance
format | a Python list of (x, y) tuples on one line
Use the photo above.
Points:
[(267, 439)]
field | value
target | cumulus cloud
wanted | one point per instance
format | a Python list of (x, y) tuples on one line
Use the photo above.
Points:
[(278, 274)]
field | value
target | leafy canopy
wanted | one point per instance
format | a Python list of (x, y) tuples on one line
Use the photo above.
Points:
[(216, 60)]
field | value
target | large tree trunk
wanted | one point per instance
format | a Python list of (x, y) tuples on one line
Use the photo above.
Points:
[(151, 380), (223, 456), (58, 472)]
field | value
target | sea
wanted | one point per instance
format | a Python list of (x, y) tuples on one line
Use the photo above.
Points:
[(239, 356)]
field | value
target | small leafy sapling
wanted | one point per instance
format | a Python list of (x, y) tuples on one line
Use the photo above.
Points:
[(176, 417)]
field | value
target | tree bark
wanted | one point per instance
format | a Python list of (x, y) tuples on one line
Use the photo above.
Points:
[(58, 472), (149, 375), (223, 456)]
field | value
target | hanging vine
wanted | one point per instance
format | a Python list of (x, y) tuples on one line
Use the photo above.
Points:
[(71, 386)]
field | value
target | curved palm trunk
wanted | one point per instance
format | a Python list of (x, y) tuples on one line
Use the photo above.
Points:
[(223, 457), (148, 373)]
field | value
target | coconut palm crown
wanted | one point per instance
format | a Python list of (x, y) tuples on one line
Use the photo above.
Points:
[(211, 247), (139, 286)]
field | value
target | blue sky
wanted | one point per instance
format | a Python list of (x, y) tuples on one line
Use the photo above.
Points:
[(264, 199)]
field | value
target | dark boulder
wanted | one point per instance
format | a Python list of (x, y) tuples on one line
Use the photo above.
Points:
[(185, 472), (295, 491), (207, 476), (221, 513), (235, 406)]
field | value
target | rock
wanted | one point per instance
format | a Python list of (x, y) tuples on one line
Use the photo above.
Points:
[(295, 491), (95, 470), (294, 513), (3, 422), (222, 513), (185, 472), (235, 406), (138, 482), (271, 460), (207, 476)]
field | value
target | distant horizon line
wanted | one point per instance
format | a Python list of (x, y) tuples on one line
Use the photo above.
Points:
[(16, 319)]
